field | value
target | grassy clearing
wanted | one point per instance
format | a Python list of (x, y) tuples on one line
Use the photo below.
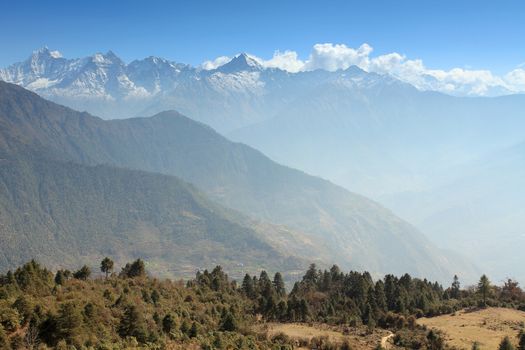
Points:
[(487, 326), (358, 337)]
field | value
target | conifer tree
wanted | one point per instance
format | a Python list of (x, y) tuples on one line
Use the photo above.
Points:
[(455, 288), (132, 324), (83, 273), (521, 340), (484, 288), (155, 297), (106, 266), (228, 323), (506, 344), (247, 287), (278, 285), (68, 321), (194, 330), (168, 323)]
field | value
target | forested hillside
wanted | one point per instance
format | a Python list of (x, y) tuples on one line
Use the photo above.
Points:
[(126, 308), (357, 232), (64, 214)]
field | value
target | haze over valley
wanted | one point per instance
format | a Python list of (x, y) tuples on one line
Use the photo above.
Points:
[(271, 175), (448, 165)]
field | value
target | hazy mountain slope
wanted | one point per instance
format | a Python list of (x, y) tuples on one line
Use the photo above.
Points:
[(358, 232), (480, 212), (66, 214), (385, 138)]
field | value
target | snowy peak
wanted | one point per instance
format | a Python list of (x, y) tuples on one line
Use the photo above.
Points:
[(241, 63), (105, 85), (44, 53), (109, 58)]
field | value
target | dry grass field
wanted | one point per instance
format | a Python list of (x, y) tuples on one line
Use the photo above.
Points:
[(357, 337), (487, 327)]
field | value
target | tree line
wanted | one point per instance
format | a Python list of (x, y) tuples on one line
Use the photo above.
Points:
[(40, 309)]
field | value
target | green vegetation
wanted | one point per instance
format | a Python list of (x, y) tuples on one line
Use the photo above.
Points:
[(65, 215), (129, 309), (231, 174)]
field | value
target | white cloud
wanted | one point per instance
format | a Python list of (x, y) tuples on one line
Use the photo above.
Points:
[(516, 79), (287, 61), (219, 61), (332, 57)]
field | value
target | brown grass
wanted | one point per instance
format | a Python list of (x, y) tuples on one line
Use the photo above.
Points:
[(358, 337), (486, 326)]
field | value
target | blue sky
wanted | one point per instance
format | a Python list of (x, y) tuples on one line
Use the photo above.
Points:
[(445, 34)]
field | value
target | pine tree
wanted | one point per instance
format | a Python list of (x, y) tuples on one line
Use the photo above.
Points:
[(455, 288), (132, 324), (278, 285), (155, 297), (506, 344), (311, 276), (106, 266), (83, 273), (135, 269), (194, 330), (380, 297), (4, 341), (168, 323), (521, 340), (59, 277), (68, 321), (247, 287), (228, 323), (435, 341), (484, 288), (184, 327)]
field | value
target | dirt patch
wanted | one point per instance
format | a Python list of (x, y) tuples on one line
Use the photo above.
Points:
[(486, 326), (358, 337)]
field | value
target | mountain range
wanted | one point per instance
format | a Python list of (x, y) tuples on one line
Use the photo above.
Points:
[(413, 151), (238, 93), (263, 204)]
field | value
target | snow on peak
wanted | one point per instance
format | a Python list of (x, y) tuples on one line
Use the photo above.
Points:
[(240, 63), (107, 58), (44, 51)]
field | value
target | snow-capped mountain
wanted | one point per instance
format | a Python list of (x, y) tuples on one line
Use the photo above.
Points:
[(238, 93)]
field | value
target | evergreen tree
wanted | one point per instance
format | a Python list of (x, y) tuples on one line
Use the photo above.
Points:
[(506, 344), (83, 273), (247, 287), (155, 297), (484, 288), (132, 324), (455, 288), (135, 269), (311, 276), (168, 323), (278, 285), (228, 323), (4, 341), (265, 286), (368, 315), (68, 321), (390, 291), (521, 340), (380, 297), (435, 341), (59, 277), (194, 330), (184, 327), (106, 266)]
